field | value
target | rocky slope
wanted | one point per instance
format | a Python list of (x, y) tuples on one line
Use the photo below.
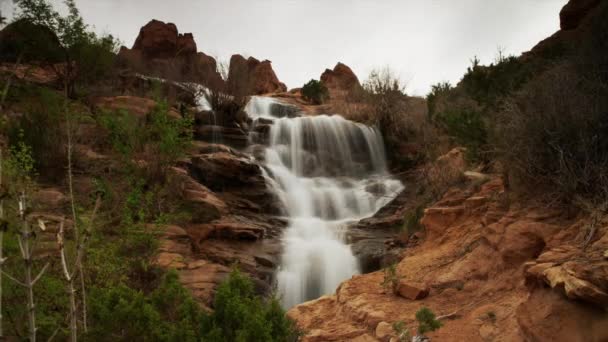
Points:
[(496, 270)]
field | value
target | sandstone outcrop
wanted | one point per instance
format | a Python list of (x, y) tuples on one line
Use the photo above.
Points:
[(341, 81), (252, 77), (160, 50)]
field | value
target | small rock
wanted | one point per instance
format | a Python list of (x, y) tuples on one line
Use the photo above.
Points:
[(384, 331), (606, 254), (412, 291)]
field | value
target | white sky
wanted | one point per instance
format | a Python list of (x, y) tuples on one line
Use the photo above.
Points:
[(423, 41)]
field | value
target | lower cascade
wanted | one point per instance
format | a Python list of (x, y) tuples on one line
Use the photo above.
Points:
[(328, 172)]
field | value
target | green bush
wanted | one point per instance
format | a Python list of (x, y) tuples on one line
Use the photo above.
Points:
[(41, 128), (240, 315), (469, 129), (390, 282), (316, 92), (427, 321)]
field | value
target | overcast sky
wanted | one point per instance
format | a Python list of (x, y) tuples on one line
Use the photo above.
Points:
[(423, 41)]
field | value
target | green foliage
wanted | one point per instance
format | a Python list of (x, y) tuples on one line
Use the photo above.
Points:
[(40, 127), (468, 127), (89, 57), (390, 283), (426, 321), (412, 219), (240, 315), (403, 333), (438, 91), (488, 84), (161, 140), (464, 112), (316, 92), (167, 314)]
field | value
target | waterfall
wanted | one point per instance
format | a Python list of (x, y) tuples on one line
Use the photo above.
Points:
[(328, 172)]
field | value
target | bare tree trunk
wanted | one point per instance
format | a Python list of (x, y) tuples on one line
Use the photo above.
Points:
[(2, 228), (70, 279)]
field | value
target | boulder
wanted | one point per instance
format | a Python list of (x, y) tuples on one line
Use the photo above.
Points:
[(30, 43), (252, 77), (412, 291), (384, 331)]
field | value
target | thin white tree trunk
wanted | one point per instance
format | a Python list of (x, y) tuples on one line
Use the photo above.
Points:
[(1, 241), (24, 243)]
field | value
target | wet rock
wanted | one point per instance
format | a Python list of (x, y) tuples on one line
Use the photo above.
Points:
[(235, 137)]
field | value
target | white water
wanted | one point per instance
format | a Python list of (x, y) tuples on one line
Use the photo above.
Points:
[(328, 172)]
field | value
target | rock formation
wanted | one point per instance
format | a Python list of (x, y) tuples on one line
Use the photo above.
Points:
[(161, 51), (574, 12), (252, 77), (340, 81)]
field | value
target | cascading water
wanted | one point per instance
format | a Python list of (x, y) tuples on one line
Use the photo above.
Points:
[(328, 172)]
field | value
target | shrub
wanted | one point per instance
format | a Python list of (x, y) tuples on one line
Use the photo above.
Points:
[(228, 108), (469, 129), (412, 220), (438, 92), (240, 315), (41, 128), (403, 333), (390, 283), (426, 321), (316, 92), (553, 136)]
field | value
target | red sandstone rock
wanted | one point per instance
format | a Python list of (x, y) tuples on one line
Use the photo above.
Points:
[(161, 51), (157, 40), (412, 291), (341, 77), (252, 77)]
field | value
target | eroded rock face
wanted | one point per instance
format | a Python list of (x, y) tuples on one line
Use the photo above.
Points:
[(232, 221), (160, 50), (252, 77)]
